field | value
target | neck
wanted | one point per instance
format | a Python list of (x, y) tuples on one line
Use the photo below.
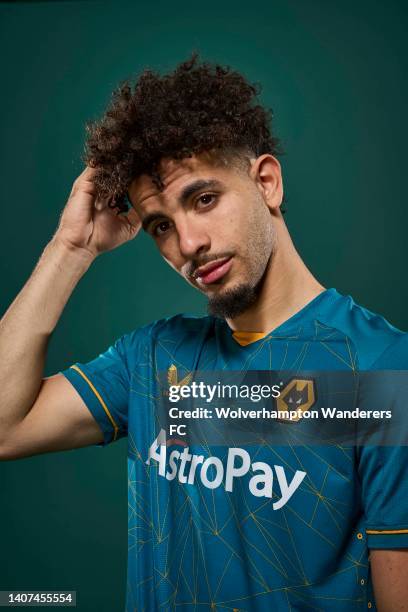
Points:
[(287, 287)]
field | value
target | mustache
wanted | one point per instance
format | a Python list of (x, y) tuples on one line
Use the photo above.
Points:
[(190, 267)]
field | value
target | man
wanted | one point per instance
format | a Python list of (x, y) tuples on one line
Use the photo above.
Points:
[(211, 527)]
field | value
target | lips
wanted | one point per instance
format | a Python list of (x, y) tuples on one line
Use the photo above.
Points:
[(213, 271)]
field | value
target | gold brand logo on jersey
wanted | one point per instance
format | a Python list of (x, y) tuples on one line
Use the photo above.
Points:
[(173, 380), (172, 377)]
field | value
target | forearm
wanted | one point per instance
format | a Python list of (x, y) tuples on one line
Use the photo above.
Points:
[(27, 325)]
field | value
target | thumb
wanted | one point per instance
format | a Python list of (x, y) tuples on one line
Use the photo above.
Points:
[(134, 218)]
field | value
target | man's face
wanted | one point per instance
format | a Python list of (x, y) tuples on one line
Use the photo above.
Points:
[(211, 224)]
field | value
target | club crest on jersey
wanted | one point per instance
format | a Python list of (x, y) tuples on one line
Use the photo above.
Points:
[(298, 394)]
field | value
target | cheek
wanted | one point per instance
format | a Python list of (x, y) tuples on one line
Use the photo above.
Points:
[(257, 231), (229, 222), (170, 252)]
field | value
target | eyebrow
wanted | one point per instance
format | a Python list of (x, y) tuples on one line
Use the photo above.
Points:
[(185, 195), (198, 185)]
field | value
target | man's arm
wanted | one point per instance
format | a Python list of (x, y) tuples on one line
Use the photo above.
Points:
[(58, 420), (390, 579), (37, 414)]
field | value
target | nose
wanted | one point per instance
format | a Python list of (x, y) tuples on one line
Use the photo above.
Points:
[(193, 237)]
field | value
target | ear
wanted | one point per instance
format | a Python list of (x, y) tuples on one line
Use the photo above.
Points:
[(267, 175)]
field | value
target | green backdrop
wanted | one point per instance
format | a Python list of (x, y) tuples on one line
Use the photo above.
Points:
[(335, 74)]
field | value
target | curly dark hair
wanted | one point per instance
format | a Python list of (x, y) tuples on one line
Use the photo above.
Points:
[(197, 108)]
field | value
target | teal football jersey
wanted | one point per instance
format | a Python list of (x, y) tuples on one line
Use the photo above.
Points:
[(202, 534)]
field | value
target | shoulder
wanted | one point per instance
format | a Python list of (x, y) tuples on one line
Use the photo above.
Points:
[(177, 339), (374, 338), (175, 328)]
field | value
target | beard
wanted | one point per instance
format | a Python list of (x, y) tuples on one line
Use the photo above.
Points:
[(233, 302)]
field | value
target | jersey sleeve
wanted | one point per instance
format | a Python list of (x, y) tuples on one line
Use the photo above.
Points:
[(384, 478), (104, 383), (383, 470)]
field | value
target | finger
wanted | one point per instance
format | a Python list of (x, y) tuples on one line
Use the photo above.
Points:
[(133, 217), (101, 204), (84, 182), (88, 172)]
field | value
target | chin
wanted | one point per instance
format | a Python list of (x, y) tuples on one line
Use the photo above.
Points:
[(232, 301)]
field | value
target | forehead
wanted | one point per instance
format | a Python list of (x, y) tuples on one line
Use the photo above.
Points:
[(175, 175)]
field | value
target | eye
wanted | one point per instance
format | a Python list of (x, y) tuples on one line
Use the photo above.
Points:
[(206, 199), (161, 228)]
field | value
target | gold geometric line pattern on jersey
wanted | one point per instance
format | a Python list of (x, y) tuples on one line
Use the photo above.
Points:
[(346, 451), (352, 359), (243, 537), (276, 564), (299, 516), (98, 395), (298, 362), (262, 582), (320, 496), (133, 450), (270, 540), (350, 363), (196, 518), (217, 603), (268, 501), (171, 356)]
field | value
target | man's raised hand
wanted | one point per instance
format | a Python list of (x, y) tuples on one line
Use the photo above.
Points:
[(88, 224)]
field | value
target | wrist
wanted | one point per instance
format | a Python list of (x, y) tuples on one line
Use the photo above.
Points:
[(69, 254)]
